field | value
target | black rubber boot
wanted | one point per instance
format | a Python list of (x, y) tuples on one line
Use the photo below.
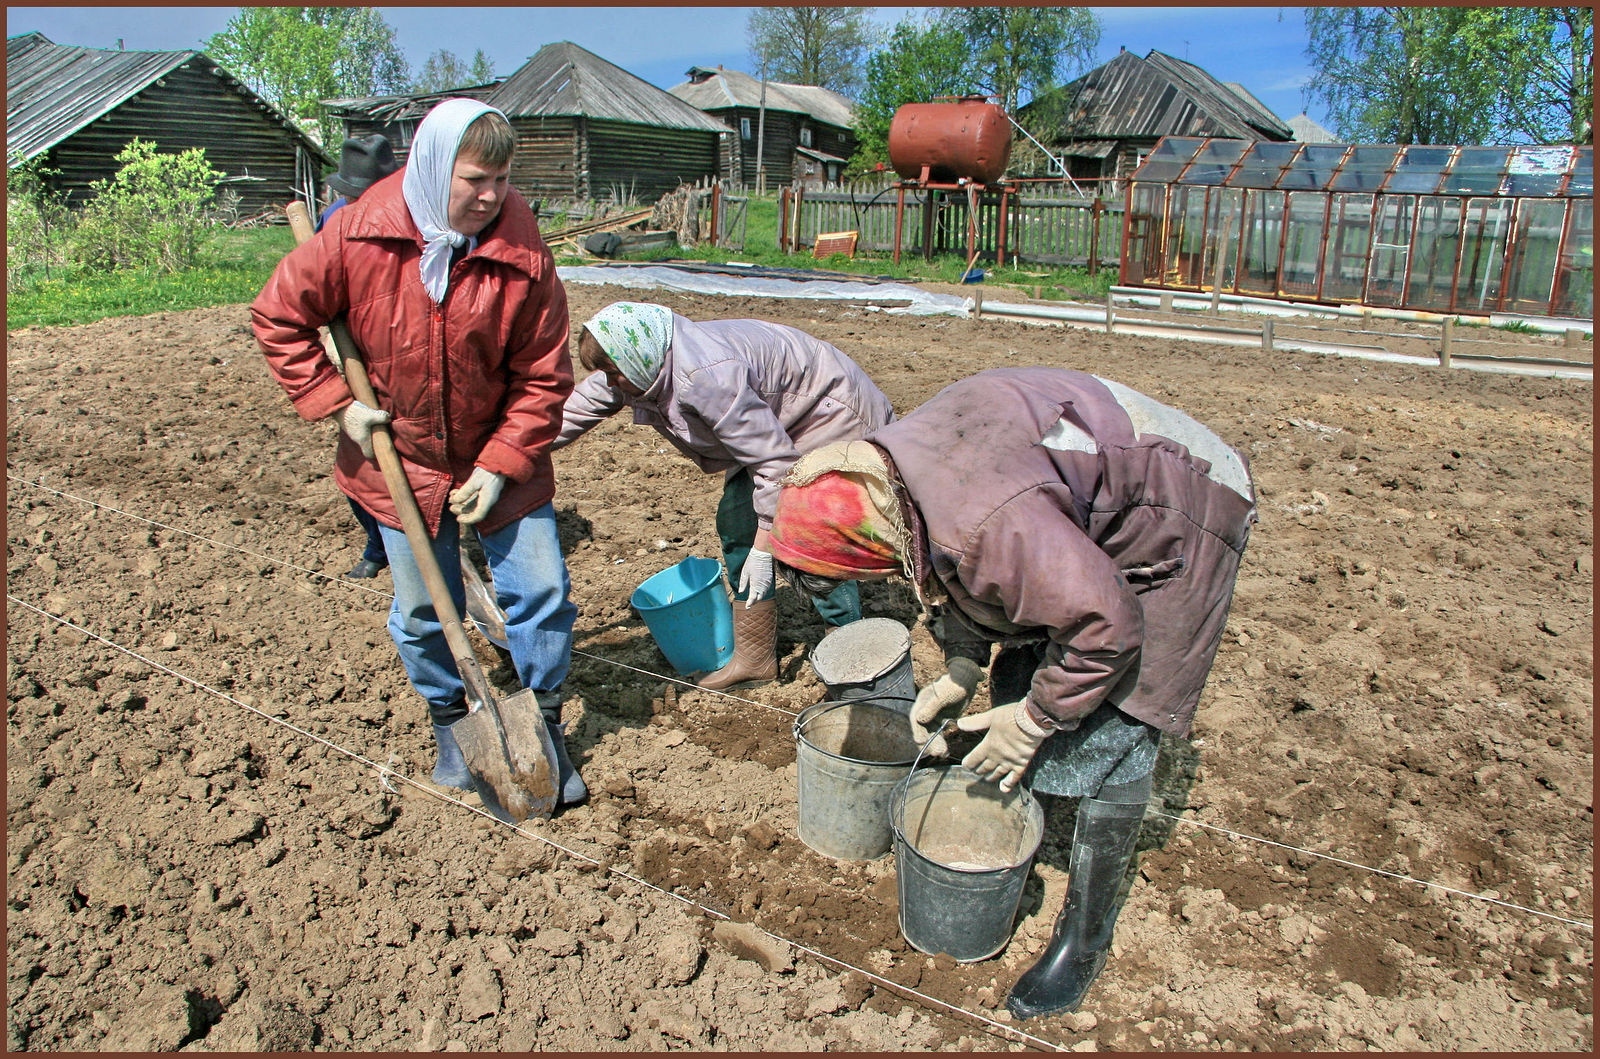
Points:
[(1102, 849)]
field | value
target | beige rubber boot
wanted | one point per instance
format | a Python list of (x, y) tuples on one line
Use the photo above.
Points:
[(755, 642)]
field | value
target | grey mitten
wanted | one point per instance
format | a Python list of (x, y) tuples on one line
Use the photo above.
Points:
[(944, 698)]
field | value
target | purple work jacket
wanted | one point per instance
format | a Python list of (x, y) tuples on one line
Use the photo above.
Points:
[(742, 393), (1055, 505)]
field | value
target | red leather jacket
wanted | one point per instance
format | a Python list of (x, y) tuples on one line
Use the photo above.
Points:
[(479, 379)]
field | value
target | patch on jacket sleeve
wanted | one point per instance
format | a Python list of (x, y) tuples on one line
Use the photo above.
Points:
[(1150, 416), (1066, 436)]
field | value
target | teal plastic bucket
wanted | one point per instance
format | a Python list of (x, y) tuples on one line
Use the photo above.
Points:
[(687, 610)]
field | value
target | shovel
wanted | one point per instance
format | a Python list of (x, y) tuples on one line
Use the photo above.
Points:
[(508, 749)]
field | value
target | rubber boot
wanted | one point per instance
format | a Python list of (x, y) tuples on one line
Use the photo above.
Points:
[(451, 771), (755, 647), (573, 791), (1102, 849)]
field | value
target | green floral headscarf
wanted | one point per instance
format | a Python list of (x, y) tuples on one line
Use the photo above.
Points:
[(635, 335)]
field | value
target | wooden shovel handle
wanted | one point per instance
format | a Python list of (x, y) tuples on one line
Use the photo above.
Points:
[(405, 502)]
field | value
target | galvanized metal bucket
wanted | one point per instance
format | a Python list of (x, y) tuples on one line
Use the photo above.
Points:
[(867, 659), (962, 851), (850, 755)]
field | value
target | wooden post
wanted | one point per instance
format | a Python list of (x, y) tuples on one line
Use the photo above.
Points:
[(1573, 337), (1038, 292), (1095, 213), (1224, 234), (783, 219), (977, 305), (1166, 301), (1446, 333), (1111, 315), (1266, 335)]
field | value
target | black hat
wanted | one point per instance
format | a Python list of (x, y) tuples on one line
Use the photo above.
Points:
[(363, 161)]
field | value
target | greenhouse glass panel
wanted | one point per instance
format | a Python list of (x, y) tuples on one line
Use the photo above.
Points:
[(1420, 169), (1214, 162), (1478, 171), (1582, 182), (1391, 250), (1483, 251), (1263, 165), (1433, 253), (1186, 235), (1263, 239), (1222, 228), (1533, 263), (1537, 171), (1365, 169), (1302, 246), (1314, 168), (1167, 159), (1143, 254), (1344, 262), (1575, 284)]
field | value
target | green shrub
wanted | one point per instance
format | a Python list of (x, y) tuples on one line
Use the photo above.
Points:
[(37, 221), (152, 214)]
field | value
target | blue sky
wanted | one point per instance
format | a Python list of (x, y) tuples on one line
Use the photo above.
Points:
[(1262, 48)]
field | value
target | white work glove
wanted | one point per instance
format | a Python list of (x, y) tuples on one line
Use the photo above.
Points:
[(755, 580), (947, 696), (1004, 753), (473, 500), (357, 421)]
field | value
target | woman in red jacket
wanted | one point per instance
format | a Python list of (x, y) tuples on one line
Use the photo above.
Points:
[(453, 300)]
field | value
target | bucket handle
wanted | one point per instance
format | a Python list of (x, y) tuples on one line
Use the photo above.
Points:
[(935, 734), (904, 785)]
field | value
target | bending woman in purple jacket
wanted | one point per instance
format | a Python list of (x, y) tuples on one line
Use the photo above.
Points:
[(743, 397), (1092, 532)]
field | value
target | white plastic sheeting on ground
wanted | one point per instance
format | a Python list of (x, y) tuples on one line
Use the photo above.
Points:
[(918, 302)]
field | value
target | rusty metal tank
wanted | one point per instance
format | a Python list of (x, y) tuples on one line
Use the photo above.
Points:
[(960, 138)]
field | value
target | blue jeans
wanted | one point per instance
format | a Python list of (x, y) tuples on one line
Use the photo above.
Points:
[(530, 584), (373, 552)]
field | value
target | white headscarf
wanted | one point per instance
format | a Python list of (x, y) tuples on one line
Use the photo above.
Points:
[(636, 336), (426, 185)]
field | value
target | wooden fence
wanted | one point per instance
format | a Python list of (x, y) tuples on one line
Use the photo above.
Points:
[(1041, 228)]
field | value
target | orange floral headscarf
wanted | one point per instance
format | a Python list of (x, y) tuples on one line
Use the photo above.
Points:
[(837, 516)]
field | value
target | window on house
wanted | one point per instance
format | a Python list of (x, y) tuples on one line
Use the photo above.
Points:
[(744, 128), (805, 137)]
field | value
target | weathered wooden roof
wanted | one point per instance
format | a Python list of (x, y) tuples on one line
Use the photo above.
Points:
[(54, 90), (1308, 130), (404, 106), (719, 89), (564, 80), (1159, 95)]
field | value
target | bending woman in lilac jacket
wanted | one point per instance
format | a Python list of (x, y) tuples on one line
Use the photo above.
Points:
[(1095, 534), (743, 397)]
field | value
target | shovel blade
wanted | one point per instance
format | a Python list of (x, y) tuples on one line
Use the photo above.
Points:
[(482, 608), (515, 778)]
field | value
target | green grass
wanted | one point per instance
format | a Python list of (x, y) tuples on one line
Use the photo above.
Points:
[(233, 267), (761, 248)]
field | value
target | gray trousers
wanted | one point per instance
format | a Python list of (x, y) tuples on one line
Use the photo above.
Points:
[(1108, 749)]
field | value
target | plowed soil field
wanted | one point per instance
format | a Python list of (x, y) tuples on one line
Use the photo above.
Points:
[(220, 834)]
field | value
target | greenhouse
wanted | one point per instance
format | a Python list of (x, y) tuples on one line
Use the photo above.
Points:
[(1472, 230)]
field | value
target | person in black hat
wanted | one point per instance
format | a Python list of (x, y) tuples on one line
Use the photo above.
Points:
[(363, 161)]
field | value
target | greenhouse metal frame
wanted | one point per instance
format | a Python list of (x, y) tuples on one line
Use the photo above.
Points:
[(1447, 229)]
